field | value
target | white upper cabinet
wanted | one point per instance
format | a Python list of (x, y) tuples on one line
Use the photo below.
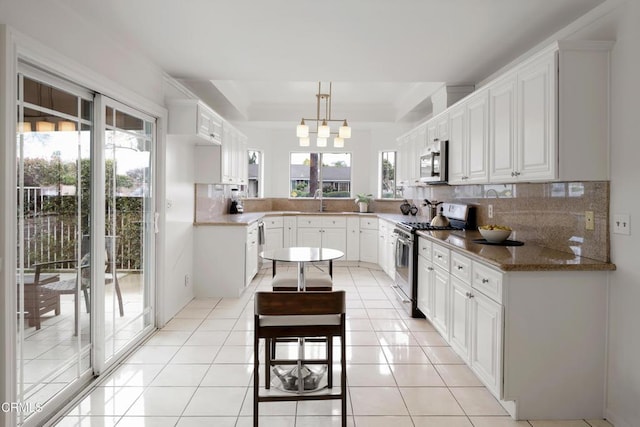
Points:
[(223, 164), (549, 118), (193, 119), (502, 127), (545, 120), (457, 145), (522, 124), (477, 139), (410, 147), (536, 107)]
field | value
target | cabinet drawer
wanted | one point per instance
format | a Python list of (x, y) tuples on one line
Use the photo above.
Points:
[(424, 248), (369, 223), (461, 267), (488, 281), (440, 256), (309, 221), (252, 236), (334, 222), (273, 222)]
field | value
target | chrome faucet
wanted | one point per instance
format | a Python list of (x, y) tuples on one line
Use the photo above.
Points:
[(318, 195), (492, 191)]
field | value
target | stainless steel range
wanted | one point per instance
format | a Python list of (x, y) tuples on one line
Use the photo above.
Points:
[(406, 257)]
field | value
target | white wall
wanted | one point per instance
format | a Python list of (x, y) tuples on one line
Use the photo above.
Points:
[(116, 69), (364, 146), (622, 406), (178, 225), (56, 24)]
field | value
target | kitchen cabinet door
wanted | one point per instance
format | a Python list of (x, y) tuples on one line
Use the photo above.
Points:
[(382, 250), (457, 145), (460, 312), (273, 238), (442, 127), (242, 165), (353, 239), (310, 237), (440, 312), (194, 121), (502, 125), (334, 238), (537, 153), (289, 231), (425, 286), (477, 139), (369, 246), (486, 341)]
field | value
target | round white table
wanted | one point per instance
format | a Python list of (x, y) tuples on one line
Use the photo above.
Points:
[(301, 255)]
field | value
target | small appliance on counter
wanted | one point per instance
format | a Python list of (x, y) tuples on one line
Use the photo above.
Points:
[(236, 203)]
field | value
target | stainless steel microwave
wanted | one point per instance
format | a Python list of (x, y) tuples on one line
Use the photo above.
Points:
[(433, 163)]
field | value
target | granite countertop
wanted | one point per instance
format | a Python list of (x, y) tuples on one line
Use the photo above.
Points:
[(529, 257)]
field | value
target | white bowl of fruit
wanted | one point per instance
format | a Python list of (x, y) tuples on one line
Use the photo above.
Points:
[(495, 233)]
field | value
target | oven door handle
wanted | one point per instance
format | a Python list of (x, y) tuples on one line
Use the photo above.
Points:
[(399, 243), (400, 295)]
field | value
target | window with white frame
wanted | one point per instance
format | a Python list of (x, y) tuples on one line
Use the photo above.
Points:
[(255, 181), (311, 172), (387, 176)]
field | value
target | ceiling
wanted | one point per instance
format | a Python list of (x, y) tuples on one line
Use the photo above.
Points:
[(260, 60)]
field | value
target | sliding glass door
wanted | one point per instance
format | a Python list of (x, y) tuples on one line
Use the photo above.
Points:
[(128, 228), (85, 237), (54, 175)]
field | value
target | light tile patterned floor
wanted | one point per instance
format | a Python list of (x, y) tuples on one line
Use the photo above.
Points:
[(197, 371)]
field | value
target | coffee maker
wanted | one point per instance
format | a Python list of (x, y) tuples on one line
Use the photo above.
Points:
[(236, 204)]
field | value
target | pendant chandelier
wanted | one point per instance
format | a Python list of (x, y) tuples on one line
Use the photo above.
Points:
[(322, 129)]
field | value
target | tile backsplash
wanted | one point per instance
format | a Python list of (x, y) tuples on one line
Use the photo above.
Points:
[(547, 214)]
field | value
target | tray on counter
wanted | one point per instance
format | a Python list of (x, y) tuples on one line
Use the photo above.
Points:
[(503, 243)]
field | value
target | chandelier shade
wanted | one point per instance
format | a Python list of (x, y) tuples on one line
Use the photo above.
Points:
[(302, 130), (322, 127), (344, 131)]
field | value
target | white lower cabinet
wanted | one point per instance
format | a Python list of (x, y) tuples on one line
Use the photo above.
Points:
[(460, 327), (425, 286), (322, 231), (368, 239), (440, 312), (353, 239), (289, 231), (225, 259), (534, 338), (273, 233), (469, 320), (369, 246), (486, 340), (251, 267)]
